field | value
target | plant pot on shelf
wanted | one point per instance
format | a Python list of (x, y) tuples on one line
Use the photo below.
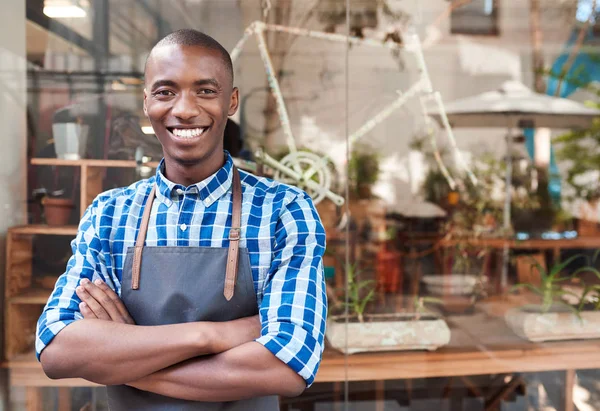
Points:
[(57, 211), (529, 323), (451, 284), (532, 222), (387, 332)]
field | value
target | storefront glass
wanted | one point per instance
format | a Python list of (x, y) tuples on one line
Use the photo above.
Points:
[(446, 145)]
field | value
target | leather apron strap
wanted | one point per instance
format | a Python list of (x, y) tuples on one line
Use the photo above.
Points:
[(139, 243), (234, 239)]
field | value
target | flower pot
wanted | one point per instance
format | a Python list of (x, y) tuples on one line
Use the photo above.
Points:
[(365, 191), (559, 324), (57, 210), (451, 284), (387, 332)]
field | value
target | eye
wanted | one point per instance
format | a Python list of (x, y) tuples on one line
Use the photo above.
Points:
[(163, 93), (206, 91)]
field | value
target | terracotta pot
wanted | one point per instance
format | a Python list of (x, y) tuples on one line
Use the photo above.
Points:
[(57, 210)]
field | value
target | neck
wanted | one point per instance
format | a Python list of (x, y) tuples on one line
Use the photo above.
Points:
[(189, 174)]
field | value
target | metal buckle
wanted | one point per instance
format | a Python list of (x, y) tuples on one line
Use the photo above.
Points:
[(234, 234)]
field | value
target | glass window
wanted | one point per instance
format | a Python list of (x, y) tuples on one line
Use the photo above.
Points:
[(460, 254)]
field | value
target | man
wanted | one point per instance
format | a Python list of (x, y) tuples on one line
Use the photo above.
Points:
[(161, 296)]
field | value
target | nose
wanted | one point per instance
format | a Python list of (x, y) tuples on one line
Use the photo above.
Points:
[(185, 107)]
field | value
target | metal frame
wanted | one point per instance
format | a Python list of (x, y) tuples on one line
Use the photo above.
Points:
[(290, 166)]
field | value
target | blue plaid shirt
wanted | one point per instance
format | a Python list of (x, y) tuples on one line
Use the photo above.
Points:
[(280, 228)]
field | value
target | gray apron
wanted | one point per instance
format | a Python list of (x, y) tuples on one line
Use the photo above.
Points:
[(172, 285)]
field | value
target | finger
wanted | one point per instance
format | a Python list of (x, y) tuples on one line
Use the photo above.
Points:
[(86, 311), (116, 300), (100, 296), (91, 302)]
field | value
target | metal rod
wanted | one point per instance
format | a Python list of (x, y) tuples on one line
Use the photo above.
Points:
[(507, 201), (276, 90)]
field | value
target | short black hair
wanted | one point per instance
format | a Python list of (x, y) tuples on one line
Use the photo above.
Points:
[(191, 37)]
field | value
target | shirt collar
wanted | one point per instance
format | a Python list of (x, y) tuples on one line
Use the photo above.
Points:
[(209, 190)]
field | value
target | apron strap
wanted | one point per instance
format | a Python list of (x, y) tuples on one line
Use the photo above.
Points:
[(234, 237), (139, 243)]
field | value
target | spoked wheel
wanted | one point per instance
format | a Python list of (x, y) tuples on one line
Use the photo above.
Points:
[(303, 161)]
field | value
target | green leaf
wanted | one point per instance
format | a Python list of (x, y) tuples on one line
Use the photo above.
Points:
[(556, 269), (364, 284), (541, 269), (365, 301), (595, 257), (431, 300), (566, 292), (587, 269)]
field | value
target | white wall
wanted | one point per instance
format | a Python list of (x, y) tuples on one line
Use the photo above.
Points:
[(459, 66), (13, 138)]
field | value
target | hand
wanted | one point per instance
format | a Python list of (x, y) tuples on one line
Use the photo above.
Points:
[(99, 301)]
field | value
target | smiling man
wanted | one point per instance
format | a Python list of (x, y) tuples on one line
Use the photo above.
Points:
[(202, 287)]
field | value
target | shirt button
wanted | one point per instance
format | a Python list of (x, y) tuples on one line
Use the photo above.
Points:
[(183, 227), (179, 191)]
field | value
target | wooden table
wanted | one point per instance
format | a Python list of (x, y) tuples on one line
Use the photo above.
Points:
[(499, 243), (481, 344)]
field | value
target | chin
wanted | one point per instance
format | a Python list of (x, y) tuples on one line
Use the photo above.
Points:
[(187, 159), (192, 159)]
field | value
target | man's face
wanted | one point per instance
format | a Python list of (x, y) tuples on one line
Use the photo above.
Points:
[(188, 96)]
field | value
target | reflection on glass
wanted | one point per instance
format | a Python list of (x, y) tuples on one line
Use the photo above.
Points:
[(420, 317)]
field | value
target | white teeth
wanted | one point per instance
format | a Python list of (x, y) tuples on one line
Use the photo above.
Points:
[(188, 132)]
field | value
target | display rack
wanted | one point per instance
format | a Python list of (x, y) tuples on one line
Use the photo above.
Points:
[(25, 299)]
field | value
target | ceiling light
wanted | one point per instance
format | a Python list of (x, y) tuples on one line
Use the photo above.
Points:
[(58, 9), (147, 130)]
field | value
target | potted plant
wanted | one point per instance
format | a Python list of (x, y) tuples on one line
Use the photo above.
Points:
[(57, 208), (553, 318), (363, 171), (362, 332)]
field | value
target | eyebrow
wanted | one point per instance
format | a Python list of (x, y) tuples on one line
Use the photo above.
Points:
[(163, 83), (207, 82), (170, 83)]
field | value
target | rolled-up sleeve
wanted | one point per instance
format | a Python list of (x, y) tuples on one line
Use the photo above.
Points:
[(62, 307), (294, 306)]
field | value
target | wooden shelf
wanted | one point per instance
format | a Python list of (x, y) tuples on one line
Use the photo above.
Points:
[(27, 371), (44, 229), (24, 360), (90, 163), (37, 296)]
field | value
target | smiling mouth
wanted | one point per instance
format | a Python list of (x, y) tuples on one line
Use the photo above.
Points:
[(187, 133)]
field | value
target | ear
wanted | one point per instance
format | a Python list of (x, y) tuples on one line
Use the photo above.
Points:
[(145, 98), (234, 101)]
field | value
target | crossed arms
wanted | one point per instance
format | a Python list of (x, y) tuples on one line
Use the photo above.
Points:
[(203, 361), (172, 360)]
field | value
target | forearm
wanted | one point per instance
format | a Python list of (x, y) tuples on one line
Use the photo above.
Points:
[(249, 370), (111, 353)]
